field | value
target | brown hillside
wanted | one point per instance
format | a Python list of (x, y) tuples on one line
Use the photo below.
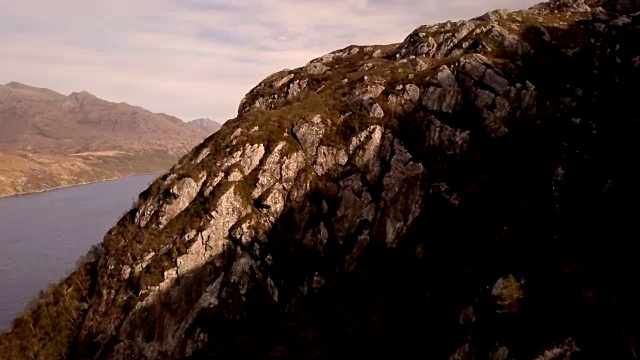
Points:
[(48, 139)]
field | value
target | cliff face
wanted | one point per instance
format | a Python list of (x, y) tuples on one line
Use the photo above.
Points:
[(465, 194)]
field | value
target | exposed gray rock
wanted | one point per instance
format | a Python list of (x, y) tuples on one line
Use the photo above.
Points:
[(315, 68), (126, 271), (497, 82), (437, 41), (211, 183), (284, 80), (418, 64), (139, 265), (327, 158), (212, 241), (406, 101), (452, 141), (444, 98), (309, 133), (144, 212), (274, 203), (507, 41), (376, 111), (475, 66), (495, 15), (484, 98), (366, 66), (203, 154), (338, 54), (412, 92), (296, 87), (251, 157), (402, 193), (236, 134), (355, 204), (290, 168), (369, 90), (185, 191), (278, 168), (235, 176), (569, 5), (366, 146)]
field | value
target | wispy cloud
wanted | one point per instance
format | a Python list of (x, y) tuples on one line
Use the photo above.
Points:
[(196, 58)]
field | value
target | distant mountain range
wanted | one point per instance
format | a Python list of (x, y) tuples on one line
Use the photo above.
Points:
[(49, 140)]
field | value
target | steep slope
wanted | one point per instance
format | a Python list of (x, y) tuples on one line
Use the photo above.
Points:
[(49, 140), (461, 195)]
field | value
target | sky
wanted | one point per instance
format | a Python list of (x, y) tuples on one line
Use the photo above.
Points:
[(197, 58)]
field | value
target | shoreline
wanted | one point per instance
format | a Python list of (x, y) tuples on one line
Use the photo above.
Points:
[(79, 184)]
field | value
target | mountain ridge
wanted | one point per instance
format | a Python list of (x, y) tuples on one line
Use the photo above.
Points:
[(42, 132), (429, 198), (205, 124)]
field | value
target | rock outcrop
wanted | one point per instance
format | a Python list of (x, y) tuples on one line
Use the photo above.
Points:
[(468, 193)]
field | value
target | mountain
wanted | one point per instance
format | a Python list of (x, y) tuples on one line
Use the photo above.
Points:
[(468, 193), (205, 124), (48, 139)]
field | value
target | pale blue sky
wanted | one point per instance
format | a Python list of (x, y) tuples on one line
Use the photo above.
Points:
[(196, 58)]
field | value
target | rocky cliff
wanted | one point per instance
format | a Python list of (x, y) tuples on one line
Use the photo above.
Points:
[(468, 193)]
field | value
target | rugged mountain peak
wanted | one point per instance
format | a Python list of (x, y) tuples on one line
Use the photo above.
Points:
[(84, 97), (205, 124), (447, 184)]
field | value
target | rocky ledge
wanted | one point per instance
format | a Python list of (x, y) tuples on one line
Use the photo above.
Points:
[(468, 193)]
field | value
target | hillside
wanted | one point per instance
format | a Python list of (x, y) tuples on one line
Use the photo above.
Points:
[(468, 193), (48, 139)]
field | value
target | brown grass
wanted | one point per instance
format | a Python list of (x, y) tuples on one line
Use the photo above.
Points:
[(22, 172)]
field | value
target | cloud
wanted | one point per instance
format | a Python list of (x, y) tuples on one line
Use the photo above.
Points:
[(196, 58)]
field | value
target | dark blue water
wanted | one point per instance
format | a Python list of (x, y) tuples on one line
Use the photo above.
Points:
[(42, 235)]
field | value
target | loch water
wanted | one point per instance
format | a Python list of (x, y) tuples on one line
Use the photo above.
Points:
[(42, 235)]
